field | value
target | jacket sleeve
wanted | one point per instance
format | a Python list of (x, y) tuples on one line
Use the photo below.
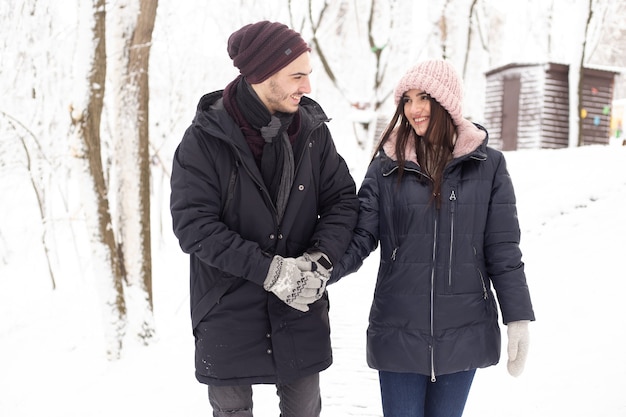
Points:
[(366, 233), (338, 203), (502, 252), (196, 202)]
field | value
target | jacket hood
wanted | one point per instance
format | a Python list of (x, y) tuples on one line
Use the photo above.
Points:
[(471, 137), (213, 117)]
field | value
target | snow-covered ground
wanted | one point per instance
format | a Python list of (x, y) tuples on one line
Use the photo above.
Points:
[(571, 205)]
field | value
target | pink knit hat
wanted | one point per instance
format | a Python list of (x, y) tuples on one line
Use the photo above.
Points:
[(438, 79), (262, 49)]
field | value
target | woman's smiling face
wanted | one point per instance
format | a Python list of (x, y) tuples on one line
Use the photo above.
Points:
[(417, 110)]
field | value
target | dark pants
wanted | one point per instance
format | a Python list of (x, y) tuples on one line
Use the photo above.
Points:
[(414, 395), (299, 398)]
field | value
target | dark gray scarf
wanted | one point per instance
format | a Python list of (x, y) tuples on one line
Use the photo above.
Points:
[(277, 147), (277, 162)]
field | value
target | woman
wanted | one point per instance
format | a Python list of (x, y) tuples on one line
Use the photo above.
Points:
[(442, 206)]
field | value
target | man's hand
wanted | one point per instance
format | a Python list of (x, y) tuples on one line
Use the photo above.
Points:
[(318, 264), (297, 288)]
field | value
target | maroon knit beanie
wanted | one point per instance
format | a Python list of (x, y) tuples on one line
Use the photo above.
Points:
[(262, 49)]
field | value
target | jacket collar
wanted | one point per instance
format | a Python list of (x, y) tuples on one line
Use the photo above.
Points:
[(471, 138), (211, 115)]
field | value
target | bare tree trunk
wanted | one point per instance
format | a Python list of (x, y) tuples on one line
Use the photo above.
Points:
[(86, 125), (38, 188), (378, 41), (315, 25), (469, 38), (138, 65), (443, 28), (132, 159), (377, 50), (41, 203)]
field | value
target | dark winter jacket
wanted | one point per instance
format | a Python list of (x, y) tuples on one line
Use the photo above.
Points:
[(434, 311), (226, 221)]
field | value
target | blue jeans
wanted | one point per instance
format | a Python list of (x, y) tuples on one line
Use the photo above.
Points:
[(414, 395), (300, 398)]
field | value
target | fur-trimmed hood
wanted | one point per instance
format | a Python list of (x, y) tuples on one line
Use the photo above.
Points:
[(470, 137)]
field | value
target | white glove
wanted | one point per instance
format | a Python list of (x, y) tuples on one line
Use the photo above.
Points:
[(295, 287), (519, 340)]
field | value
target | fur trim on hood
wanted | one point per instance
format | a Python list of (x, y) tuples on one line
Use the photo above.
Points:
[(469, 138)]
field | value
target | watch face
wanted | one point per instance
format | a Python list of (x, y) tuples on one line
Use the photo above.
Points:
[(324, 262)]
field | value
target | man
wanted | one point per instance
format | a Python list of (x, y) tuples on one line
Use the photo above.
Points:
[(263, 204)]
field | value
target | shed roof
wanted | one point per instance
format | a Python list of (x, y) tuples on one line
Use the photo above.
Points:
[(556, 66)]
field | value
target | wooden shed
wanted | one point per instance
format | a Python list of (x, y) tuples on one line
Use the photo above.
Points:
[(598, 86), (527, 106)]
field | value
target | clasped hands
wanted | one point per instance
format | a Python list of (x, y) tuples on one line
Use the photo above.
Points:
[(299, 281)]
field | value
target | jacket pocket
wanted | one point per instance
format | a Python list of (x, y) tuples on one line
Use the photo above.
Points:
[(481, 276), (208, 301)]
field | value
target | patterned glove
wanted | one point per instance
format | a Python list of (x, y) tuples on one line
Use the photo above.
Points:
[(519, 340), (295, 287), (318, 264)]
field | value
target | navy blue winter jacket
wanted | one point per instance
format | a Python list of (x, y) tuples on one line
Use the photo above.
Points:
[(434, 310)]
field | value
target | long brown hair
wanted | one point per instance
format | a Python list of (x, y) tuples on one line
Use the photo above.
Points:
[(434, 149)]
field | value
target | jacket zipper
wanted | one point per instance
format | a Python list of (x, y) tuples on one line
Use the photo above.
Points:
[(452, 218), (432, 307), (452, 199), (482, 281)]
